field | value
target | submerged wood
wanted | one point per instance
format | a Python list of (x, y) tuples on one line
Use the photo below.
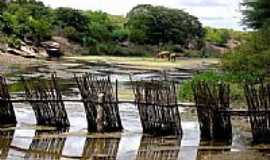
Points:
[(101, 148), (7, 114), (45, 146), (258, 99), (211, 99), (158, 109), (93, 89), (50, 110), (161, 148)]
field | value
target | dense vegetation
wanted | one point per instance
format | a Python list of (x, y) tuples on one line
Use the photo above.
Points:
[(100, 33), (249, 61), (253, 56)]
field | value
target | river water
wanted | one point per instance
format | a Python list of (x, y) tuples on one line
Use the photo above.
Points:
[(28, 141)]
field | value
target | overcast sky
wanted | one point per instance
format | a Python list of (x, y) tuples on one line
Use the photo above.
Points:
[(215, 13)]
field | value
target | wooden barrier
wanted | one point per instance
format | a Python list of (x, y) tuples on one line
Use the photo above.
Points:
[(102, 117), (7, 114), (50, 110), (157, 104), (101, 148), (258, 99), (159, 148), (211, 99)]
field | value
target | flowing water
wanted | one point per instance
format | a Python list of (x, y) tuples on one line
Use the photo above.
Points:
[(28, 141)]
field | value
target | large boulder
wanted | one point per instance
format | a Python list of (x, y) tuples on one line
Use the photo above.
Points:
[(52, 48), (163, 54), (24, 51), (3, 47)]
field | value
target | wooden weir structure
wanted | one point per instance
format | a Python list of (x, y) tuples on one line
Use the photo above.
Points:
[(157, 105), (100, 116), (258, 99), (210, 99), (50, 109), (156, 102)]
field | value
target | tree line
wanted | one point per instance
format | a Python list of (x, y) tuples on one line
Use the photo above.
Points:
[(253, 56), (144, 25)]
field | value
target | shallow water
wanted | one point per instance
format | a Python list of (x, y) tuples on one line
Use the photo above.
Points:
[(27, 141)]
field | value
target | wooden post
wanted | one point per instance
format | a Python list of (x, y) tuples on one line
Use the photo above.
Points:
[(100, 121)]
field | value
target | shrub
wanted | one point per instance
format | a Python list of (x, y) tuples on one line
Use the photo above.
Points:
[(235, 81)]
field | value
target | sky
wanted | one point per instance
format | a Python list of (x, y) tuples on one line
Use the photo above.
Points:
[(214, 13)]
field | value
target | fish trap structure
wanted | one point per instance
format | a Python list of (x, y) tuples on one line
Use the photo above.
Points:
[(100, 103), (7, 114), (48, 106), (46, 147), (211, 98), (101, 148), (258, 100), (157, 105), (161, 148)]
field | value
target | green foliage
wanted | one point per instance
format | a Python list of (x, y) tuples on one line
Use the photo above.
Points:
[(217, 36), (118, 50), (100, 26), (155, 25), (120, 35), (235, 81), (256, 13), (26, 19), (253, 56), (68, 17)]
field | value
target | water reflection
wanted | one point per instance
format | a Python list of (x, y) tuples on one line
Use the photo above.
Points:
[(45, 146), (159, 148), (101, 148), (5, 142), (207, 149)]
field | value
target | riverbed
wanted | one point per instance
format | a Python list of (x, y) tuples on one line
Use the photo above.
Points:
[(28, 141)]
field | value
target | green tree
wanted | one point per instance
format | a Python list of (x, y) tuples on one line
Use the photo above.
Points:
[(68, 17), (256, 13), (155, 25), (217, 36), (27, 19), (100, 26)]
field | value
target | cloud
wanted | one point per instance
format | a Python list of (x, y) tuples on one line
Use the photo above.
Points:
[(204, 3), (212, 12)]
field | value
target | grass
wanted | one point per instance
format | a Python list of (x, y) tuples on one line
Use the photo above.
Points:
[(147, 62)]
